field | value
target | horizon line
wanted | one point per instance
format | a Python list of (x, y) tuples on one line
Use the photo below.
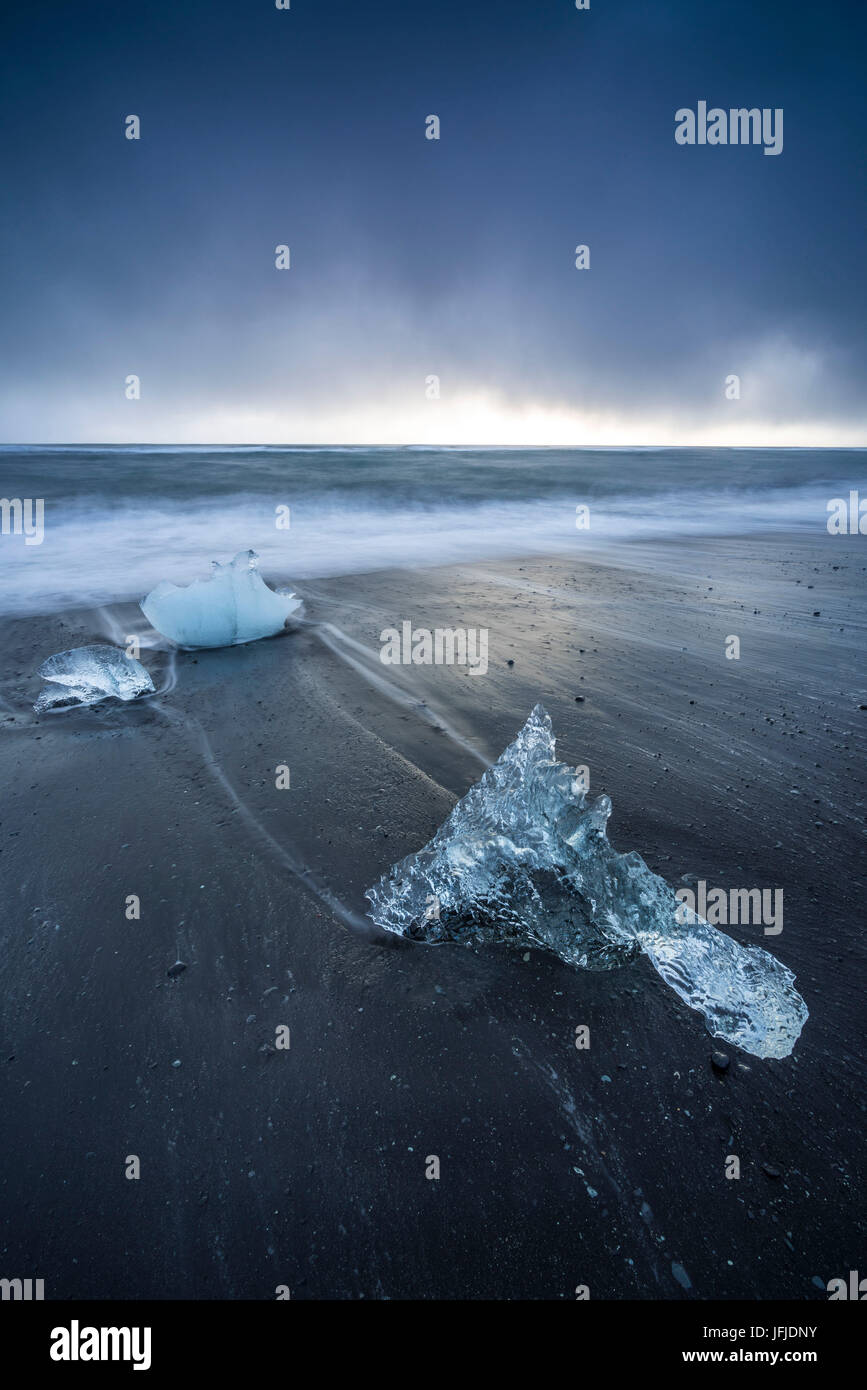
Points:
[(408, 444)]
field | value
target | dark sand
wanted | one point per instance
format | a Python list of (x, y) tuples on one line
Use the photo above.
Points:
[(306, 1167)]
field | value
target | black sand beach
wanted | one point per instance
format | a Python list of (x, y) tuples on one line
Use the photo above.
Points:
[(306, 1167)]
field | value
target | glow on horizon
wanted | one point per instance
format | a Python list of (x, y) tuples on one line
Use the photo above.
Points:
[(471, 421)]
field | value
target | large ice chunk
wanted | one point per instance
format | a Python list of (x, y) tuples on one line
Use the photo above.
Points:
[(85, 675), (234, 606), (524, 859)]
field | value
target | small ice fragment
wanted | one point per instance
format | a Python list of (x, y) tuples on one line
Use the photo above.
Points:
[(524, 859), (85, 675), (681, 1275), (232, 607)]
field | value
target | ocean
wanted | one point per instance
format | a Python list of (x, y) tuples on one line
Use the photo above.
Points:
[(118, 518)]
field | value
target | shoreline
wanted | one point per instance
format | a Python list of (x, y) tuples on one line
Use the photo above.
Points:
[(306, 1168)]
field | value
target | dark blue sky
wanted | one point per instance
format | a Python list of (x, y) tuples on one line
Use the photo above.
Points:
[(413, 257)]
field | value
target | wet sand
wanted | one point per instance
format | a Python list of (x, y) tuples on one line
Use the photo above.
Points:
[(306, 1167)]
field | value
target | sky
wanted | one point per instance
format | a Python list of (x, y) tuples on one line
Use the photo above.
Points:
[(413, 258)]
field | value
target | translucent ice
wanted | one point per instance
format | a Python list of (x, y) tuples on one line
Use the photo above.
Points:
[(87, 674), (524, 859), (235, 605)]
